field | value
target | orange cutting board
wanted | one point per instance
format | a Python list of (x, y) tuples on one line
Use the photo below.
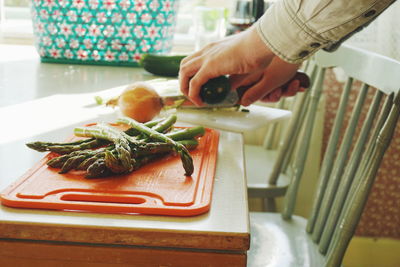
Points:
[(159, 188)]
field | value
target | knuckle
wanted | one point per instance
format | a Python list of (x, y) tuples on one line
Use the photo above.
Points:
[(194, 83), (183, 61), (184, 71), (209, 64), (183, 68), (209, 45)]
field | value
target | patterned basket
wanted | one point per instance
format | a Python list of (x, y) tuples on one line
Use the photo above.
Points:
[(103, 32)]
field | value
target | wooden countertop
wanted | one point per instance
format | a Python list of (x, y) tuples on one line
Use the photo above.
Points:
[(224, 227)]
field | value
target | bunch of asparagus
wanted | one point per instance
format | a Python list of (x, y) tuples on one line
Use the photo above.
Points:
[(107, 150)]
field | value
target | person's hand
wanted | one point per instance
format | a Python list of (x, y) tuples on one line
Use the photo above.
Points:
[(267, 84), (292, 89), (238, 54), (247, 60)]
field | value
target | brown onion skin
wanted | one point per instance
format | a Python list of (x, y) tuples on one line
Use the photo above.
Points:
[(140, 101)]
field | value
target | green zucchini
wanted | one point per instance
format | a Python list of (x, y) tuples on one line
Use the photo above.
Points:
[(215, 90), (161, 65)]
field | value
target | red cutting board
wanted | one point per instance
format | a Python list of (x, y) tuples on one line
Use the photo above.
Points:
[(159, 188)]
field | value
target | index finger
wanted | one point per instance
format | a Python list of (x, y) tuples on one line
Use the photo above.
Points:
[(186, 71), (195, 84)]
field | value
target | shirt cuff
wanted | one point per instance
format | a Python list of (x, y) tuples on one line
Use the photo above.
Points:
[(286, 36)]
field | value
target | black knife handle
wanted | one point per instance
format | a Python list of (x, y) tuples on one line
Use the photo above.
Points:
[(301, 76)]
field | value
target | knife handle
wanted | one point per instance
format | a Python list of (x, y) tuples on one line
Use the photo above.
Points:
[(303, 79), (301, 76)]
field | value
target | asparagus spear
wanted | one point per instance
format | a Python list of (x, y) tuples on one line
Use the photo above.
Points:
[(122, 148), (114, 164), (187, 133), (162, 127), (189, 144), (81, 160), (126, 153), (152, 148), (43, 145), (159, 147), (66, 148), (187, 160), (99, 168), (58, 162), (89, 161), (151, 124)]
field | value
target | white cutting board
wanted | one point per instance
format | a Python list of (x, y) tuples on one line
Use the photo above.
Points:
[(235, 121)]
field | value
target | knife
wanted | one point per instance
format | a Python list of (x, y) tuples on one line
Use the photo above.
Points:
[(232, 98)]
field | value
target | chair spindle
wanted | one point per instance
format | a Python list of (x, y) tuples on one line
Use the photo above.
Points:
[(330, 153), (339, 164), (291, 193), (349, 173)]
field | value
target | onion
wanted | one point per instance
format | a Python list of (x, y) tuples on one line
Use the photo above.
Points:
[(140, 102)]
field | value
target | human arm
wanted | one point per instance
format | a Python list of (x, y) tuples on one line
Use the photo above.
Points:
[(291, 31), (228, 56), (296, 29)]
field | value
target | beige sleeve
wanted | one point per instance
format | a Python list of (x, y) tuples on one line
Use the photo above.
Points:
[(295, 29)]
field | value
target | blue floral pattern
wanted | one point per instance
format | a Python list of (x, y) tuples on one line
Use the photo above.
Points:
[(110, 32)]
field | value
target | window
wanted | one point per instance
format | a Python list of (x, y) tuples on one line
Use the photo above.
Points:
[(15, 20), (185, 29)]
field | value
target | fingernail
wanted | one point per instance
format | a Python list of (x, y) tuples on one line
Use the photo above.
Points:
[(245, 102)]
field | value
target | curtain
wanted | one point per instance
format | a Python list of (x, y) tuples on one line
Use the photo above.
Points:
[(382, 36)]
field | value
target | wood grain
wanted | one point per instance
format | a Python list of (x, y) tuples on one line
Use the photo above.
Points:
[(24, 253), (119, 236)]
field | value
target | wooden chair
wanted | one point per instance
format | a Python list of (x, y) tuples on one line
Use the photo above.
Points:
[(347, 172), (268, 165)]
